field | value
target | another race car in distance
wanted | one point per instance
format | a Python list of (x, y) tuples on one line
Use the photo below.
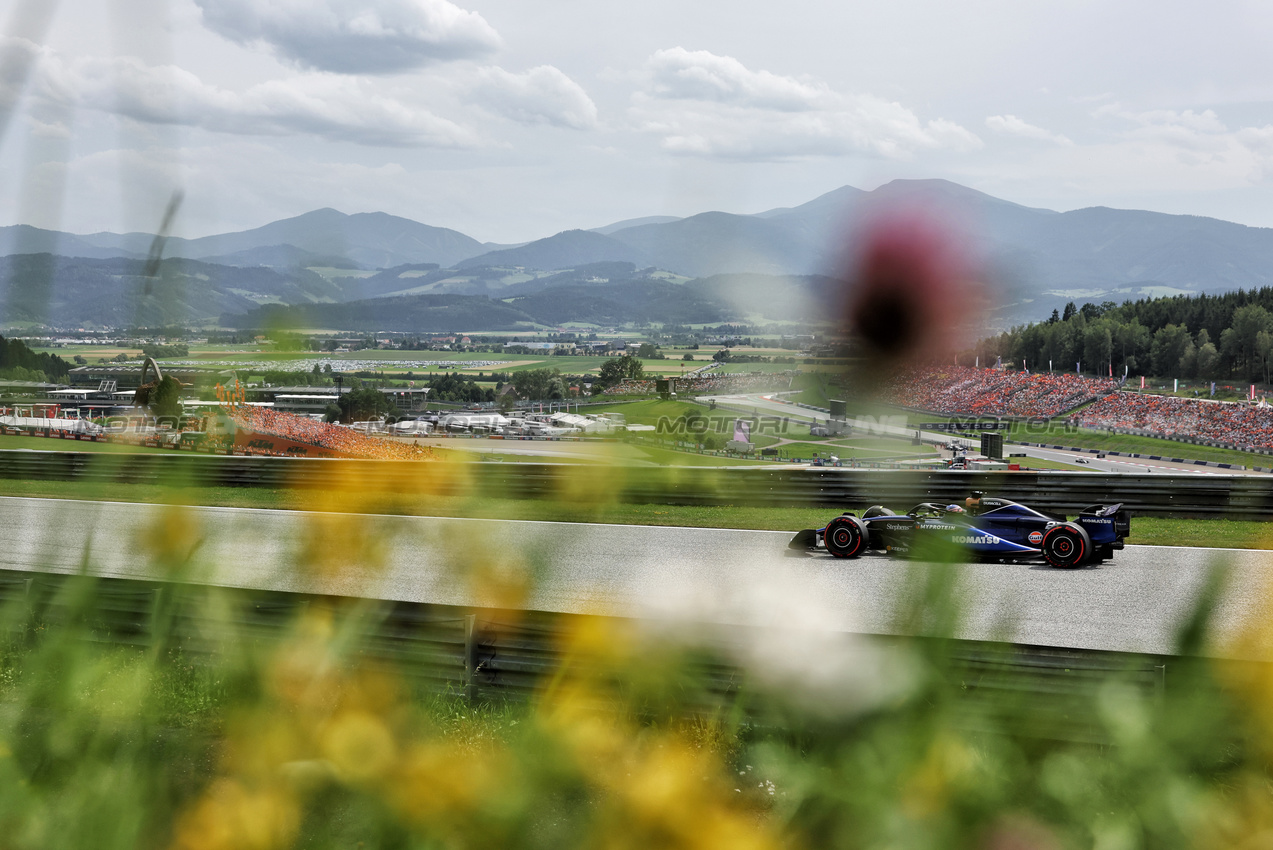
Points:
[(986, 528)]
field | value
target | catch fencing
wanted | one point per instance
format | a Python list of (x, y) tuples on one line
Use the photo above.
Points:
[(1177, 495)]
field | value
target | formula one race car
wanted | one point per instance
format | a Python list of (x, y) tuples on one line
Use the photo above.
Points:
[(988, 529)]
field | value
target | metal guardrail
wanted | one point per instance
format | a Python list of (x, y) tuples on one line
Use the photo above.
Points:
[(513, 655), (1184, 495)]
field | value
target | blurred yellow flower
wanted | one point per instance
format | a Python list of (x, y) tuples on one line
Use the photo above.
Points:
[(171, 538), (441, 781), (230, 816), (948, 764), (359, 744)]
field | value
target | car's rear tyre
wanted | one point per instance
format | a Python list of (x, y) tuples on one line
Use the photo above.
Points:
[(845, 537), (1066, 546)]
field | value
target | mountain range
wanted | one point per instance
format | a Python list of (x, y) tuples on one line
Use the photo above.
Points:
[(1039, 259)]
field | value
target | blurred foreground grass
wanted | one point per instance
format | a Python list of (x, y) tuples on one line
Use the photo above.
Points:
[(301, 740)]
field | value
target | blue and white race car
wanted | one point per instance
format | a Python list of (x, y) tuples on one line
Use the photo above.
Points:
[(986, 528)]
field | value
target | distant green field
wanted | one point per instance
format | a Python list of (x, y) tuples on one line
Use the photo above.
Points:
[(92, 353), (374, 359)]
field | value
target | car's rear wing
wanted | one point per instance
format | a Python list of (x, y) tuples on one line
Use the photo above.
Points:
[(1122, 519)]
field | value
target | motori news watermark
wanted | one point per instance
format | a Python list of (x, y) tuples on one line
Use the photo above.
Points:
[(781, 425)]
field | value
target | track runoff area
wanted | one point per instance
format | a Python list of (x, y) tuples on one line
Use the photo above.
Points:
[(1134, 603), (765, 405)]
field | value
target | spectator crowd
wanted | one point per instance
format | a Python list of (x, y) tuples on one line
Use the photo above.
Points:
[(1242, 425), (964, 391), (337, 438)]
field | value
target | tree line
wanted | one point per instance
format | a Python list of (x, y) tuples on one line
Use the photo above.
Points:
[(20, 363), (1205, 336)]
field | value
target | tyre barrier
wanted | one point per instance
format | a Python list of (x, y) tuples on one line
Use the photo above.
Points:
[(1183, 495)]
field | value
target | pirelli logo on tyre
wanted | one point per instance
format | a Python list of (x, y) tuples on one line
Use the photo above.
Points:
[(1036, 537)]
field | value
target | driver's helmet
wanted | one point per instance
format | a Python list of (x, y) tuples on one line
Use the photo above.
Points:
[(954, 509)]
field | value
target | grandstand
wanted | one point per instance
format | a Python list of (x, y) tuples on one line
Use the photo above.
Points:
[(1235, 425), (964, 391)]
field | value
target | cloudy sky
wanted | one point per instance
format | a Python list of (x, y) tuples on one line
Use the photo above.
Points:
[(510, 120)]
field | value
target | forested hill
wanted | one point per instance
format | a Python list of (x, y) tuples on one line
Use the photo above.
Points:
[(1229, 335), (17, 362)]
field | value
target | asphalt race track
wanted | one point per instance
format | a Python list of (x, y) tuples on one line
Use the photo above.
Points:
[(1133, 603)]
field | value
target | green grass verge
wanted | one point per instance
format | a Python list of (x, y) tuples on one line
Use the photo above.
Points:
[(815, 388), (1218, 533), (679, 457)]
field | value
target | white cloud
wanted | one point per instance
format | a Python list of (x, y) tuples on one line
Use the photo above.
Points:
[(1150, 153), (1198, 132), (17, 57), (355, 36), (542, 95), (714, 106), (1258, 140), (1192, 144), (699, 75), (325, 105), (1011, 125), (1204, 122)]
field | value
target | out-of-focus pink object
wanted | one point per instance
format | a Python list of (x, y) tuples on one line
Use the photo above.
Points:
[(913, 292)]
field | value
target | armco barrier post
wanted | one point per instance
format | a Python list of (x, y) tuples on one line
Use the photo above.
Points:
[(470, 657)]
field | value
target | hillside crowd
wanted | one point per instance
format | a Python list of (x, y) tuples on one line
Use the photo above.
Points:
[(335, 438), (1239, 424), (960, 390)]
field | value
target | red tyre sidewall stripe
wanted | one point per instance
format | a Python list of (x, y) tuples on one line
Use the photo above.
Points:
[(856, 549), (1078, 539)]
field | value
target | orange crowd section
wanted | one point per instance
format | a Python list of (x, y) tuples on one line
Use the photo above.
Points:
[(1241, 424), (266, 431)]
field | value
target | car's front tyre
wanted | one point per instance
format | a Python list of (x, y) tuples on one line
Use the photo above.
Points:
[(845, 537)]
